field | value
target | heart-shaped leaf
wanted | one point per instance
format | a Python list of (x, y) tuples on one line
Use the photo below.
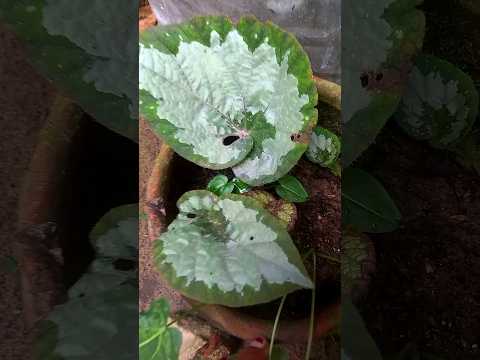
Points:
[(365, 203), (157, 341), (291, 189), (224, 95), (324, 148), (103, 304), (92, 327), (229, 250), (380, 37), (88, 49), (440, 104)]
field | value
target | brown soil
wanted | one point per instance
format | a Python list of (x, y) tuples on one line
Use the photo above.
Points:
[(426, 288)]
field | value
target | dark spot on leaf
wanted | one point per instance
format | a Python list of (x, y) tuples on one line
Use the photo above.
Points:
[(191, 216), (124, 264), (364, 80), (229, 140), (295, 137), (251, 237)]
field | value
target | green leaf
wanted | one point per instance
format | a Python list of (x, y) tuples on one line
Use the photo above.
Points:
[(356, 341), (291, 189), (440, 104), (324, 148), (381, 38), (158, 341), (358, 263), (227, 189), (365, 203), (217, 183), (240, 186), (229, 250), (82, 47), (224, 95)]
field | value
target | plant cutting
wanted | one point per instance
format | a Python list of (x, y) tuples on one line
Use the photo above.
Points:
[(238, 100)]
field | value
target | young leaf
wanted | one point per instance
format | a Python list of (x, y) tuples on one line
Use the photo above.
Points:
[(358, 263), (365, 203), (229, 250), (324, 148), (240, 186), (217, 183), (82, 59), (291, 189), (380, 39), (440, 104), (224, 95), (157, 341)]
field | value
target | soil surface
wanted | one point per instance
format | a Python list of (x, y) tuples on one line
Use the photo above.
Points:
[(426, 289)]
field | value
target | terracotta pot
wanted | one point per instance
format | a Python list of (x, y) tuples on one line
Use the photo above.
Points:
[(37, 249), (234, 321)]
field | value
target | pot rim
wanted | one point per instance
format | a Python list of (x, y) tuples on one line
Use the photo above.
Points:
[(232, 320)]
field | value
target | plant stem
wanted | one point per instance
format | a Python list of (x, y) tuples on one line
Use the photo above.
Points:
[(275, 326), (312, 311), (180, 317), (330, 258)]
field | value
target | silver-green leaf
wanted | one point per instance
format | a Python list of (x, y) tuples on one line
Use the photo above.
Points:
[(229, 250), (440, 104), (225, 95)]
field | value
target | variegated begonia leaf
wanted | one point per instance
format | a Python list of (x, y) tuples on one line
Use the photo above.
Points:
[(102, 308), (224, 95), (380, 38), (440, 104), (229, 250), (324, 148)]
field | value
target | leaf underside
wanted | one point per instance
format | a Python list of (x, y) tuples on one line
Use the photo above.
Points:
[(225, 95), (381, 38), (229, 250)]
